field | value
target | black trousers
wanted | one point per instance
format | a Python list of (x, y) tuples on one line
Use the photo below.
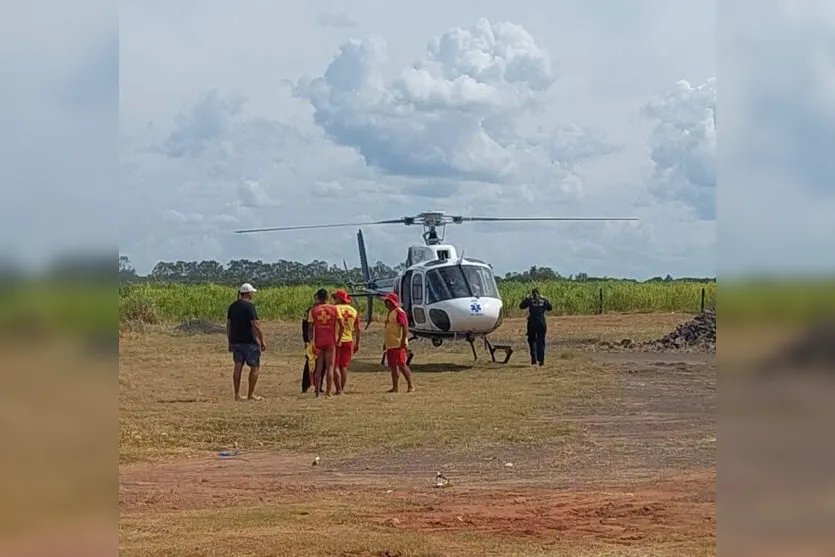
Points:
[(536, 342), (306, 376)]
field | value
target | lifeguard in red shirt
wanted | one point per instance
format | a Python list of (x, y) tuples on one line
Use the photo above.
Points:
[(325, 330), (396, 342)]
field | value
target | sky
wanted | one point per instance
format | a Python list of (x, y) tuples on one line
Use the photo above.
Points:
[(281, 114), (267, 113)]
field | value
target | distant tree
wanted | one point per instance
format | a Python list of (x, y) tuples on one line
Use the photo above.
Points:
[(126, 271), (286, 272)]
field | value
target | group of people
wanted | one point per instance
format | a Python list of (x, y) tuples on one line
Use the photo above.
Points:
[(331, 333)]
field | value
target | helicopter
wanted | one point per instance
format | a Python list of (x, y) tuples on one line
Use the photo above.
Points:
[(446, 295)]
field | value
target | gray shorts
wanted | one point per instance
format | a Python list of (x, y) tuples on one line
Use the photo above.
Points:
[(250, 354)]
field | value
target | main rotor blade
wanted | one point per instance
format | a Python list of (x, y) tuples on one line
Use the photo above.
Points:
[(311, 226), (509, 219)]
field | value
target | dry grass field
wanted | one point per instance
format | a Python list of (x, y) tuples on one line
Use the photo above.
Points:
[(595, 454)]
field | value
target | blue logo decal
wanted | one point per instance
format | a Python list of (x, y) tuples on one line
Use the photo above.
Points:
[(475, 307)]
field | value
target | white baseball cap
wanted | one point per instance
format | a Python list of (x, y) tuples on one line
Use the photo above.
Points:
[(246, 288)]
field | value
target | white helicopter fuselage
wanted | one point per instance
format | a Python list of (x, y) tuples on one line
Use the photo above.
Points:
[(447, 296)]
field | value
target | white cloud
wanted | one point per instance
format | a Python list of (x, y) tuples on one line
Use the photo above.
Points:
[(480, 123), (252, 194), (451, 114), (683, 145)]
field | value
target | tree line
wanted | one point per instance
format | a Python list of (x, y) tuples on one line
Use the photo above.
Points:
[(284, 272)]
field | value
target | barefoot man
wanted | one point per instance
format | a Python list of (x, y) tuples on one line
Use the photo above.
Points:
[(350, 338), (245, 340), (325, 330), (396, 343)]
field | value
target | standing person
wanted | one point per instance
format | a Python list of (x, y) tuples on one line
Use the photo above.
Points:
[(350, 338), (396, 342), (245, 340), (325, 329), (309, 353), (536, 305)]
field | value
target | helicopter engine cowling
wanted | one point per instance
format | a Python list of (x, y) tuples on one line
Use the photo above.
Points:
[(474, 315)]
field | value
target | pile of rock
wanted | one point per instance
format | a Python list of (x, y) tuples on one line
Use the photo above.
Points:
[(698, 333)]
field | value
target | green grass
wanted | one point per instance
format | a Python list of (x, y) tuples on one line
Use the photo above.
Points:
[(55, 305), (178, 302), (787, 300)]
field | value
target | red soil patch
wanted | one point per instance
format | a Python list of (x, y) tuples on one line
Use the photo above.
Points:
[(674, 511)]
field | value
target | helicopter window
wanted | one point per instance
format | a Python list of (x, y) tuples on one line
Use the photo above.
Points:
[(446, 283), (460, 282), (481, 281), (417, 289), (405, 298)]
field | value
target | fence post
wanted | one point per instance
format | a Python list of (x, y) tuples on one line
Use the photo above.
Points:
[(600, 302), (703, 300)]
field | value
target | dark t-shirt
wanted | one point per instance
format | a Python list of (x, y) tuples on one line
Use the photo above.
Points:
[(241, 314), (536, 309)]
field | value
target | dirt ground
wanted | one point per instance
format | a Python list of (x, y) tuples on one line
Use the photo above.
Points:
[(597, 454)]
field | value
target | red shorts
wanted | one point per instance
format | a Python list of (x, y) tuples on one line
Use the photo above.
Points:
[(396, 357), (324, 347), (344, 354)]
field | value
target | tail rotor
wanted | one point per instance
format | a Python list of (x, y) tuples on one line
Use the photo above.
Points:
[(367, 277)]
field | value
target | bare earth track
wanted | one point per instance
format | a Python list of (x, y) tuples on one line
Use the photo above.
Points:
[(632, 474)]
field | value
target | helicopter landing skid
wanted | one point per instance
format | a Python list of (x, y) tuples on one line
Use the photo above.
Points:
[(492, 349), (489, 346)]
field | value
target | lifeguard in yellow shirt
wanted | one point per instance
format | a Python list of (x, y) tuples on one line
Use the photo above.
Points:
[(396, 343), (350, 338)]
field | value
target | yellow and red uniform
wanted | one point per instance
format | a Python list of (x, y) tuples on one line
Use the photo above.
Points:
[(311, 355), (396, 323), (350, 319), (324, 318)]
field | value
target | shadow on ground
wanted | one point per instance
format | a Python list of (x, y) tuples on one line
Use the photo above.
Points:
[(369, 367)]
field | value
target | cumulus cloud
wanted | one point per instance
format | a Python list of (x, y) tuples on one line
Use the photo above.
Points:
[(200, 123), (453, 113), (252, 194), (683, 145), (473, 126)]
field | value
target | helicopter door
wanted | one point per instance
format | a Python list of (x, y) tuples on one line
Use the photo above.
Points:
[(418, 313), (406, 295)]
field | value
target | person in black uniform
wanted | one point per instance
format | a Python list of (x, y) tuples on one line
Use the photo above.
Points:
[(306, 373), (536, 305)]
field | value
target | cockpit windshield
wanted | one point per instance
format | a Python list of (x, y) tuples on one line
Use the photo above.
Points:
[(460, 281)]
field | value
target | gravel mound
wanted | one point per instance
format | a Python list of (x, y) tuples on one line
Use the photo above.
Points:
[(696, 335), (200, 327)]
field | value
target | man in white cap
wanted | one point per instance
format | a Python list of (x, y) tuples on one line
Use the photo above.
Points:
[(246, 341)]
